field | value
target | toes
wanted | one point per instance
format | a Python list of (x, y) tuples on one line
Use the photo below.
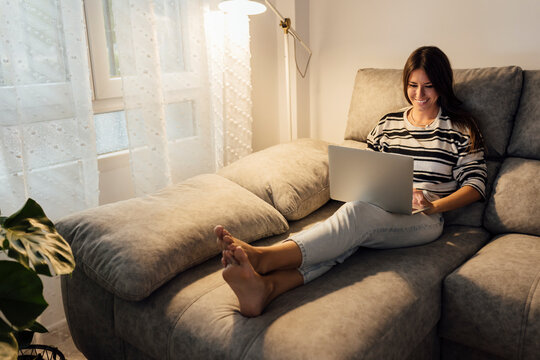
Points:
[(225, 232), (229, 258), (240, 255), (228, 239), (223, 260), (218, 230)]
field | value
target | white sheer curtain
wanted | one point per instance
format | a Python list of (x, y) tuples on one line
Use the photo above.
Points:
[(186, 88), (230, 84), (47, 148)]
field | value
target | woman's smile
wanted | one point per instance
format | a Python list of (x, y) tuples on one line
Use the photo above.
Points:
[(422, 94)]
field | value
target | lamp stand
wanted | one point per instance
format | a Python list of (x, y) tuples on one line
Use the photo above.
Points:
[(293, 125), (285, 24)]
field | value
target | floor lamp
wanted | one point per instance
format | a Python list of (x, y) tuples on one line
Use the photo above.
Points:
[(248, 7)]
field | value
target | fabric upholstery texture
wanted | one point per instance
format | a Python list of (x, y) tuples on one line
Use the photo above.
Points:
[(376, 92), (379, 91), (492, 302), (396, 304), (354, 144), (292, 177), (525, 141), (454, 351), (134, 246), (89, 313), (428, 349), (480, 90), (514, 205)]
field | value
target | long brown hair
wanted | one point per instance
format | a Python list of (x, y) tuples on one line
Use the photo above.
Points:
[(439, 71)]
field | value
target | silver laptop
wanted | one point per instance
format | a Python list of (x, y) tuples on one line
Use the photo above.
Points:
[(382, 179)]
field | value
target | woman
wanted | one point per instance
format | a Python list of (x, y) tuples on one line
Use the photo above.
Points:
[(449, 173)]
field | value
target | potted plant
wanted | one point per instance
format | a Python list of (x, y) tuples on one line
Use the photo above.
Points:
[(33, 246)]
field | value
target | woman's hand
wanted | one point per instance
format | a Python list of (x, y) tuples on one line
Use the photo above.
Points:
[(419, 201), (462, 197)]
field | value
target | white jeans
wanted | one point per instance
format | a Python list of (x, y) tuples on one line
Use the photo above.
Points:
[(357, 224)]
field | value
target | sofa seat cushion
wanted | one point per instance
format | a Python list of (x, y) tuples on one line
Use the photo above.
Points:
[(292, 177), (132, 247), (492, 302), (514, 205), (378, 304)]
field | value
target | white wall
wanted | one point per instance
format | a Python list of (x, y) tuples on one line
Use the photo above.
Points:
[(350, 34)]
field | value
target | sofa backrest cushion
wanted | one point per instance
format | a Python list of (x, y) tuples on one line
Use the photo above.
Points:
[(292, 177), (525, 140), (490, 94), (376, 92), (513, 205), (132, 247)]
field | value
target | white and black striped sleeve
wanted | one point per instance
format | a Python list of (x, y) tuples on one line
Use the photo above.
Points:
[(471, 169), (374, 137)]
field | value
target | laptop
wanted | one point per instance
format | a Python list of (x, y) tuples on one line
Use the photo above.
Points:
[(382, 179)]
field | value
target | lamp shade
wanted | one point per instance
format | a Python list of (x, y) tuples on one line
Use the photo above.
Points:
[(244, 7)]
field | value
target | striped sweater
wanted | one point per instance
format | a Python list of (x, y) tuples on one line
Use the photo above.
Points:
[(442, 160)]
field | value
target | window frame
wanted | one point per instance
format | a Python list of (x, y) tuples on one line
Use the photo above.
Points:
[(106, 90)]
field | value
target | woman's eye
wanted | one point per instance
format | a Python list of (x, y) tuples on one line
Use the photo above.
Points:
[(413, 85), (429, 86)]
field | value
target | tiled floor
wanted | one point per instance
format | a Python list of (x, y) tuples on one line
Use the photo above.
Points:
[(60, 338)]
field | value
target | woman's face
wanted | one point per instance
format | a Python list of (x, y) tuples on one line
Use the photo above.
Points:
[(421, 92)]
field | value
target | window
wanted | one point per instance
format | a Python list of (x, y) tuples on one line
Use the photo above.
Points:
[(180, 78), (107, 85), (111, 133), (109, 119)]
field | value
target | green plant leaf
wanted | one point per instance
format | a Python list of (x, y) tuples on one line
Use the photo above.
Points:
[(8, 347), (5, 328), (21, 294), (33, 241), (37, 327)]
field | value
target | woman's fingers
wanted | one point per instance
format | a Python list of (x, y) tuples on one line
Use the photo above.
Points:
[(418, 200)]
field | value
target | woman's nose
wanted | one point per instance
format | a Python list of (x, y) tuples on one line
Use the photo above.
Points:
[(419, 92)]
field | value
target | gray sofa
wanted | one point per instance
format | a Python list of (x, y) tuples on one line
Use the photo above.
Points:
[(148, 281)]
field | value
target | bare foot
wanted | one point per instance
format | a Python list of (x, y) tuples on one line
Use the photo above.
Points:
[(250, 288), (227, 258), (229, 242)]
